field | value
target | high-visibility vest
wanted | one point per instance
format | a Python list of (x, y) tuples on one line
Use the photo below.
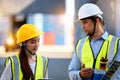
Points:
[(108, 50), (40, 68)]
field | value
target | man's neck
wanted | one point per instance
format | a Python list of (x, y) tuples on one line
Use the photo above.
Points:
[(97, 35)]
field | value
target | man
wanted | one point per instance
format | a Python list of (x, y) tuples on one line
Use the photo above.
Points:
[(94, 54)]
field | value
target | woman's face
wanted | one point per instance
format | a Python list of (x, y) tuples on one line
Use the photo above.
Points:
[(33, 44), (87, 26)]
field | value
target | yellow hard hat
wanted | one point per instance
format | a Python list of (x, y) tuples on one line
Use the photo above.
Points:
[(26, 32)]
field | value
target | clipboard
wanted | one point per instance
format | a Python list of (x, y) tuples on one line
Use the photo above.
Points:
[(112, 70)]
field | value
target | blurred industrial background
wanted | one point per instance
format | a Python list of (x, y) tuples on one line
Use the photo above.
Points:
[(56, 18)]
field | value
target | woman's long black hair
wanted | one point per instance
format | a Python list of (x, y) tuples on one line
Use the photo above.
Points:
[(26, 70)]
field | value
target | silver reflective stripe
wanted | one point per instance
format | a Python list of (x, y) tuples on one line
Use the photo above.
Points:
[(80, 48), (111, 49), (45, 65), (16, 67), (99, 71)]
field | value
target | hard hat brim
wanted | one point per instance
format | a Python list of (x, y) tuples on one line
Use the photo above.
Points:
[(39, 34)]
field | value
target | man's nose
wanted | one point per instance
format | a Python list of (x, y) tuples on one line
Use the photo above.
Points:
[(83, 27)]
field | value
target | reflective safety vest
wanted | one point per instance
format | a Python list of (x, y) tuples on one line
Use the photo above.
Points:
[(40, 68), (85, 54)]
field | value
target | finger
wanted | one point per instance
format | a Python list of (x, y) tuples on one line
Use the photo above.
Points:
[(83, 65)]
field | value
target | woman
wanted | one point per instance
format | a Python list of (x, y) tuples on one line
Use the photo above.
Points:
[(27, 65)]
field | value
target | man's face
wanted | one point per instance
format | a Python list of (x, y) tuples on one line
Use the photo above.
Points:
[(87, 26)]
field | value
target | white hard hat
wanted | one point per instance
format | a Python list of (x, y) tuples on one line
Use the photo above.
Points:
[(88, 10)]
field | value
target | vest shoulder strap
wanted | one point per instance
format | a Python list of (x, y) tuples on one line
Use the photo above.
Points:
[(113, 48), (14, 66), (79, 45), (45, 65)]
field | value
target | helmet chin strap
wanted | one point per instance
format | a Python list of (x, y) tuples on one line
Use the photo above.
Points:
[(93, 32), (24, 45)]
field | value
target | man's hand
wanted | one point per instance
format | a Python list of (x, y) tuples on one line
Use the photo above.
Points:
[(86, 72)]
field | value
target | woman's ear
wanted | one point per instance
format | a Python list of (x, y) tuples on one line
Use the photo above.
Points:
[(24, 44)]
